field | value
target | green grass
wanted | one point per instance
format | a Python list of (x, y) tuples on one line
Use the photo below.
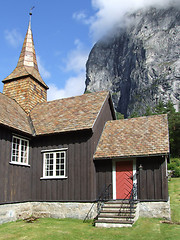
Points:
[(74, 229), (174, 192), (67, 229)]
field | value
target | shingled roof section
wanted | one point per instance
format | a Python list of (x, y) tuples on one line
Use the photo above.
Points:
[(27, 63), (12, 115), (69, 114), (134, 137)]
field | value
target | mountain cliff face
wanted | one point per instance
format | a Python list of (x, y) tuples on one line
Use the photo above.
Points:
[(139, 64)]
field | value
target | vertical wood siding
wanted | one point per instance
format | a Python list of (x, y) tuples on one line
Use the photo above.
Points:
[(18, 183), (77, 184), (103, 169), (152, 180), (15, 184), (103, 176)]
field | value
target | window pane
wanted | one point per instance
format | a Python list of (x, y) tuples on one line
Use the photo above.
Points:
[(54, 164), (19, 150), (15, 150), (60, 164), (48, 164)]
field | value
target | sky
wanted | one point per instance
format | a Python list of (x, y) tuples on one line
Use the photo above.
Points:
[(64, 32)]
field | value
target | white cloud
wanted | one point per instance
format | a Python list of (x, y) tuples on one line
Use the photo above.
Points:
[(110, 13), (13, 37), (74, 86), (79, 15), (76, 59), (43, 71), (75, 64)]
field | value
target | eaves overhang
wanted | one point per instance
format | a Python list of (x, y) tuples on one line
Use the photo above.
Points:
[(131, 156)]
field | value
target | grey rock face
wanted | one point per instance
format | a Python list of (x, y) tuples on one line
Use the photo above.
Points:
[(140, 64)]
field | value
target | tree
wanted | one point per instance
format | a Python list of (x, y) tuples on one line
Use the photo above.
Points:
[(119, 115), (173, 124)]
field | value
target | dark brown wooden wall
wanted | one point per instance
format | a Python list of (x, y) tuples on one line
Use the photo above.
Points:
[(105, 115), (15, 184), (19, 183), (103, 176), (152, 180), (77, 184), (81, 182)]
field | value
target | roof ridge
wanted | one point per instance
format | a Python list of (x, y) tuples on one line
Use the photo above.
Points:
[(126, 119), (84, 94)]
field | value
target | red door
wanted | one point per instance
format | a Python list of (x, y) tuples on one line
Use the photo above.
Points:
[(124, 179)]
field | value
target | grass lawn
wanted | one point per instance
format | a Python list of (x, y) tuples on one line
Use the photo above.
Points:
[(174, 192), (144, 228)]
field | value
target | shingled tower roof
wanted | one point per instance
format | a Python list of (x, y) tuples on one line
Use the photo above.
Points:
[(25, 84), (27, 63)]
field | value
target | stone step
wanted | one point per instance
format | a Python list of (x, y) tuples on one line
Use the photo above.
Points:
[(112, 225), (118, 201), (121, 202), (115, 216), (112, 219), (115, 211), (118, 207), (115, 221)]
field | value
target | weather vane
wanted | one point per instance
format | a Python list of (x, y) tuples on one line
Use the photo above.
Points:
[(31, 12)]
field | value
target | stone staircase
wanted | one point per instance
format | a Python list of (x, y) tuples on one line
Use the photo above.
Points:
[(117, 213)]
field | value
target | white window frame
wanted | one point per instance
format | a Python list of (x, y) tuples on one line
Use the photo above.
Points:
[(20, 151), (53, 156)]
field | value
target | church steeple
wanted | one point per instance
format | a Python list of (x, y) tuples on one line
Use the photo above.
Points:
[(28, 56), (25, 83)]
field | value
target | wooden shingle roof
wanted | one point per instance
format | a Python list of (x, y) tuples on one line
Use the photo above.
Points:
[(70, 114), (134, 137), (12, 115)]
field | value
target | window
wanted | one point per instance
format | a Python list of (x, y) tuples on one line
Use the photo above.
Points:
[(20, 151), (54, 164)]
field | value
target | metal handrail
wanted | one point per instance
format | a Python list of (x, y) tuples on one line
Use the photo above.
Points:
[(104, 196), (132, 193)]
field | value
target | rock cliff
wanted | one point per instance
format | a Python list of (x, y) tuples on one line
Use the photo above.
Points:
[(140, 63)]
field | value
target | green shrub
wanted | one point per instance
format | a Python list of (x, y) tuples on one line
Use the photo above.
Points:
[(174, 166), (119, 115)]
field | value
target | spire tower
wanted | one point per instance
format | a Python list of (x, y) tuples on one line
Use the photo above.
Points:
[(25, 83)]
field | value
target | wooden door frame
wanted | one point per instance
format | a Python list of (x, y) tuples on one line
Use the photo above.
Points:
[(114, 174)]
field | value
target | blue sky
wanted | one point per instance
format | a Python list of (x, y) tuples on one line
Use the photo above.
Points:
[(64, 32)]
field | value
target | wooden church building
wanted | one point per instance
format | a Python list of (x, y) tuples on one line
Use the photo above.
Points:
[(57, 158)]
